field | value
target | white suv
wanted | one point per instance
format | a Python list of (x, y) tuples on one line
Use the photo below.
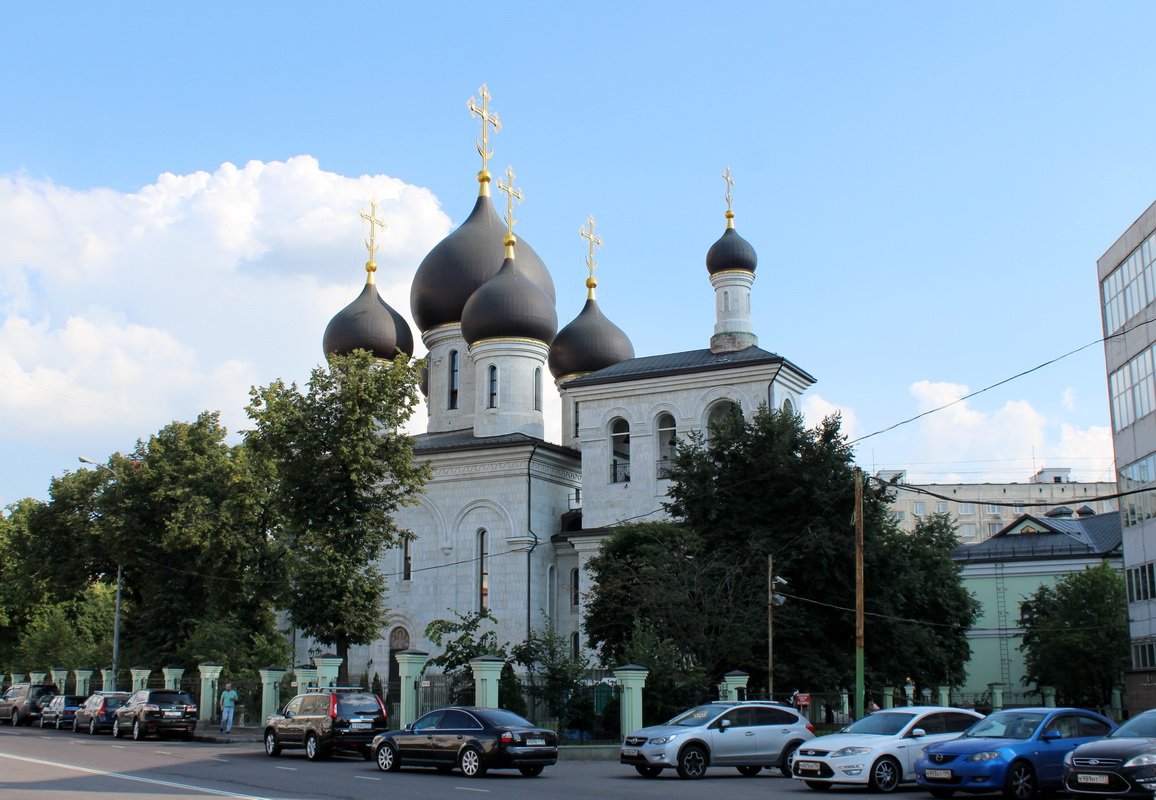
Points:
[(748, 735), (881, 749)]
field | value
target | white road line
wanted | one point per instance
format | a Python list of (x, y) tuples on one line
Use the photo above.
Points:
[(119, 746), (291, 769), (366, 778), (135, 778), (163, 752), (471, 789), (222, 760)]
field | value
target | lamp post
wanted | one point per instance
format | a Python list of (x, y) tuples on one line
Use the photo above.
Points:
[(119, 582)]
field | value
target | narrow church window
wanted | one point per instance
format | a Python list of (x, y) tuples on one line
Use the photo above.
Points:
[(665, 427), (726, 301), (788, 406), (574, 646), (406, 561), (454, 369), (576, 405), (492, 402), (538, 389), (620, 451), (398, 643), (575, 596), (551, 602), (483, 573)]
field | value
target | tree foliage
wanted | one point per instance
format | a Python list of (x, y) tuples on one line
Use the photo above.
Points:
[(342, 468), (1076, 636), (467, 637)]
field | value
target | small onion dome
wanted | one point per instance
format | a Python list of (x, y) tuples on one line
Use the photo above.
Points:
[(731, 252), (589, 343), (368, 323), (510, 305), (460, 263)]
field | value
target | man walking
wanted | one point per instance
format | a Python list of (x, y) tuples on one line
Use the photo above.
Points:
[(227, 704)]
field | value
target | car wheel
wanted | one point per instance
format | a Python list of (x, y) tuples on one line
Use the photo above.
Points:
[(57, 724), (386, 758), (787, 760), (115, 728), (75, 726), (92, 727), (648, 771), (470, 763), (272, 746), (42, 723), (313, 749), (885, 775), (1020, 783), (15, 718), (943, 794), (138, 731), (749, 771), (692, 762), (818, 786), (532, 771)]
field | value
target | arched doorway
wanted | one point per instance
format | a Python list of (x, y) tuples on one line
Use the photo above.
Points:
[(398, 642)]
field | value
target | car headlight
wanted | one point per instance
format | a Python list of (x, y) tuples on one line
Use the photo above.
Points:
[(986, 755), (1068, 758), (664, 739), (843, 752), (1142, 760)]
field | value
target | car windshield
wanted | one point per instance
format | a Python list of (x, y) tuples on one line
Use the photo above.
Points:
[(507, 719), (880, 723), (1006, 725), (173, 698), (1141, 727), (361, 703), (114, 702), (700, 715)]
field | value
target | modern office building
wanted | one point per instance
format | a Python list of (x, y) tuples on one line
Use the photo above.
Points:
[(1127, 277)]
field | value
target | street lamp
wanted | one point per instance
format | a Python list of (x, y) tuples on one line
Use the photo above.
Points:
[(119, 581)]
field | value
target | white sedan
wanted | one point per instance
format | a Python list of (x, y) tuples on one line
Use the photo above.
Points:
[(879, 750)]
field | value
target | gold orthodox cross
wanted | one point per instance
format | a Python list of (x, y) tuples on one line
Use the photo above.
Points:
[(594, 241), (511, 194), (488, 119), (730, 185), (374, 224)]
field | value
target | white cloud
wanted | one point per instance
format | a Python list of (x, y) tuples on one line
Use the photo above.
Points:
[(1068, 399), (120, 312), (816, 408)]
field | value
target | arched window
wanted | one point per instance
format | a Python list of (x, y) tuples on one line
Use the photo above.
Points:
[(492, 390), (575, 592), (788, 406), (726, 301), (719, 414), (483, 572), (619, 451), (551, 597), (665, 429), (455, 368), (406, 561), (575, 646), (398, 642), (538, 389)]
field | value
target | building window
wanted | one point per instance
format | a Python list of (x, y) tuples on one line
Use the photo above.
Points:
[(1132, 390), (619, 451), (993, 509), (918, 508), (455, 368), (667, 444), (1018, 509), (576, 407), (575, 595), (483, 572), (941, 508), (551, 602), (719, 414), (406, 561), (899, 516), (967, 531), (967, 508), (1135, 508), (575, 646), (537, 388), (993, 528), (788, 406), (492, 391), (1129, 288)]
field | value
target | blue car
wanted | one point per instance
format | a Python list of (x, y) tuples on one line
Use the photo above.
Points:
[(1018, 752)]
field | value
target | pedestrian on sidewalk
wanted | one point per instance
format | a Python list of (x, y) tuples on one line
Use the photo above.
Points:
[(227, 704)]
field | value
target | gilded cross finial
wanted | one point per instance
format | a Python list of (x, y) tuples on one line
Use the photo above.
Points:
[(488, 119), (511, 195), (591, 264), (371, 243), (730, 185)]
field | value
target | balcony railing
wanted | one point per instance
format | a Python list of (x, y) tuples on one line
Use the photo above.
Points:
[(620, 472)]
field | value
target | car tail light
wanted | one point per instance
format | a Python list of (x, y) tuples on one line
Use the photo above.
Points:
[(507, 737), (150, 707), (810, 727), (191, 709), (381, 705), (333, 706)]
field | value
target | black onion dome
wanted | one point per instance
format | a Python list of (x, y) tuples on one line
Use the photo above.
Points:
[(510, 305), (368, 323), (460, 263), (589, 343), (731, 252)]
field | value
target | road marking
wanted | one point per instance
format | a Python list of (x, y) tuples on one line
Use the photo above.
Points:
[(163, 752), (471, 789), (222, 760), (135, 778), (291, 769), (366, 778), (118, 746)]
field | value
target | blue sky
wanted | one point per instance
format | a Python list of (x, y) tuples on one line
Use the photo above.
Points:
[(928, 186)]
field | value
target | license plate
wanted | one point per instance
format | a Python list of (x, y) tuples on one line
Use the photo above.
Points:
[(807, 766), (535, 742), (1083, 778), (938, 774), (359, 724), (629, 751), (172, 713)]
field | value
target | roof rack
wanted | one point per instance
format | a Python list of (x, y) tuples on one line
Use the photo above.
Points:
[(309, 689)]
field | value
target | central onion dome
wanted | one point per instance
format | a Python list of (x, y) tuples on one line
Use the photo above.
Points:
[(589, 343), (731, 252), (462, 262), (511, 305), (368, 323)]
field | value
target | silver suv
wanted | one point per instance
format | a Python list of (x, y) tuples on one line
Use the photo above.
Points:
[(748, 735)]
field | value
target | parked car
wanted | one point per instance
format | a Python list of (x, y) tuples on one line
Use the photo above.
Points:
[(879, 750), (1017, 751), (474, 740), (748, 735), (21, 703), (1122, 764), (98, 711), (159, 711), (59, 710), (324, 721)]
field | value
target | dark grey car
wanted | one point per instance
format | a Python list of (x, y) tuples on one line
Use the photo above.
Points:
[(21, 703)]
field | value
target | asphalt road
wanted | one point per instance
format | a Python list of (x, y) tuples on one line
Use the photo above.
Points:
[(48, 765)]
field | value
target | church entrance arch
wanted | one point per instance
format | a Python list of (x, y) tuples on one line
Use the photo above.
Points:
[(398, 642)]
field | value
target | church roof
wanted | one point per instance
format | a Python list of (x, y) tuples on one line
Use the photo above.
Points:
[(685, 363), (447, 441), (1052, 538)]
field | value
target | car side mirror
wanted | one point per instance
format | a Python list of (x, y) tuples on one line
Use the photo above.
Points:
[(408, 727), (287, 714), (1052, 735), (918, 733), (726, 723)]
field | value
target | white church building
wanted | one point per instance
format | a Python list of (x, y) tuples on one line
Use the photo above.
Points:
[(509, 520)]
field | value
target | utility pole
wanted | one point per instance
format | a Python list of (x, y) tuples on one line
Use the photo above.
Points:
[(859, 676), (770, 626)]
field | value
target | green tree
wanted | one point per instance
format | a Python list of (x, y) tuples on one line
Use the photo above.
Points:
[(461, 640), (1076, 636), (343, 467), (555, 675)]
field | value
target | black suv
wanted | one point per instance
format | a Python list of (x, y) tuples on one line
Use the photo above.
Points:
[(21, 703), (157, 711), (327, 720)]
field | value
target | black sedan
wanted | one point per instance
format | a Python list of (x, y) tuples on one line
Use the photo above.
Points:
[(1122, 764), (472, 739)]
